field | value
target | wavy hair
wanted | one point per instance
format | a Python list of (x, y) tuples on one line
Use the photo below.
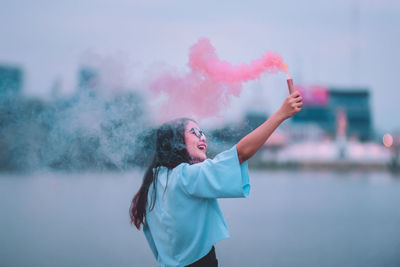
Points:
[(170, 151)]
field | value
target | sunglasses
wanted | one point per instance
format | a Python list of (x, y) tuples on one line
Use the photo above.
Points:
[(197, 132)]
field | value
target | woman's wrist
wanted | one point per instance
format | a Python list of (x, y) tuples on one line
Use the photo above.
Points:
[(279, 116)]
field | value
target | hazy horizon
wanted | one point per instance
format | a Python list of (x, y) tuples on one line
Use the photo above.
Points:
[(341, 43)]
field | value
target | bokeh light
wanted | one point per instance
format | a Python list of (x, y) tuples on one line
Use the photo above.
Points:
[(387, 140)]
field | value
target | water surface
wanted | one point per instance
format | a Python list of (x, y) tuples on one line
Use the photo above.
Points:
[(289, 219)]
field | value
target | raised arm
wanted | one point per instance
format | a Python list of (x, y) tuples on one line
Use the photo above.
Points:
[(252, 142)]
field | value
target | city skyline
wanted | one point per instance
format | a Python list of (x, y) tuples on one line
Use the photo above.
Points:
[(333, 44)]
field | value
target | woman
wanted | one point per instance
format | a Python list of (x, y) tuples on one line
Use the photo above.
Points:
[(177, 202)]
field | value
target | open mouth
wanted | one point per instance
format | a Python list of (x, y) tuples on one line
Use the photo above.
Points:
[(202, 147)]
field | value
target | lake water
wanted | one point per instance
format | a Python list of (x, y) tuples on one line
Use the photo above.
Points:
[(290, 219)]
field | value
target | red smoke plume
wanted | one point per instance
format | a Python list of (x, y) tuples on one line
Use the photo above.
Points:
[(207, 88)]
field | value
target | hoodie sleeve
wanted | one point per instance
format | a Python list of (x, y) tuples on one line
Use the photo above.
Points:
[(221, 177)]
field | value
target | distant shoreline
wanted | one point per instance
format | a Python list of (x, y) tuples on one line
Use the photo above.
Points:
[(340, 165)]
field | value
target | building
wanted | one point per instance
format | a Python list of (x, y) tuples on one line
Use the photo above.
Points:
[(11, 81), (88, 79), (322, 106)]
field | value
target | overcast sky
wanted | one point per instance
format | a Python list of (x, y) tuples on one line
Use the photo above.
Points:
[(333, 43)]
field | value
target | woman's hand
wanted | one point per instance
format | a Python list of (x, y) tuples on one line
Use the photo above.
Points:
[(291, 105)]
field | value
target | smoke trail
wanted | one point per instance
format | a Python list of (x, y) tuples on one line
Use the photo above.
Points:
[(209, 85), (100, 127), (106, 123), (204, 59)]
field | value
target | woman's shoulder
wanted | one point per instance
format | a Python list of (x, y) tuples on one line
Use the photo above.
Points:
[(162, 170), (170, 176)]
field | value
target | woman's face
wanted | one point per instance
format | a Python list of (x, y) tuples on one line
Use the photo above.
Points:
[(195, 141)]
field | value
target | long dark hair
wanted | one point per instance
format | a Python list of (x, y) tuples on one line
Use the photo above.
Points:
[(170, 151)]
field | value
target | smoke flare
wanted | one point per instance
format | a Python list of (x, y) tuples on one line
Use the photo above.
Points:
[(204, 59), (207, 88)]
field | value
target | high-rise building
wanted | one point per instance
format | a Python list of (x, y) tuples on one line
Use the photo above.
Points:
[(88, 79), (11, 81), (322, 106)]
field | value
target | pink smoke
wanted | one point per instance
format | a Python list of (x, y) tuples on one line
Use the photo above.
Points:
[(208, 87)]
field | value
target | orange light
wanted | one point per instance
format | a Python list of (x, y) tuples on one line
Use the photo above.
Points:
[(387, 140)]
